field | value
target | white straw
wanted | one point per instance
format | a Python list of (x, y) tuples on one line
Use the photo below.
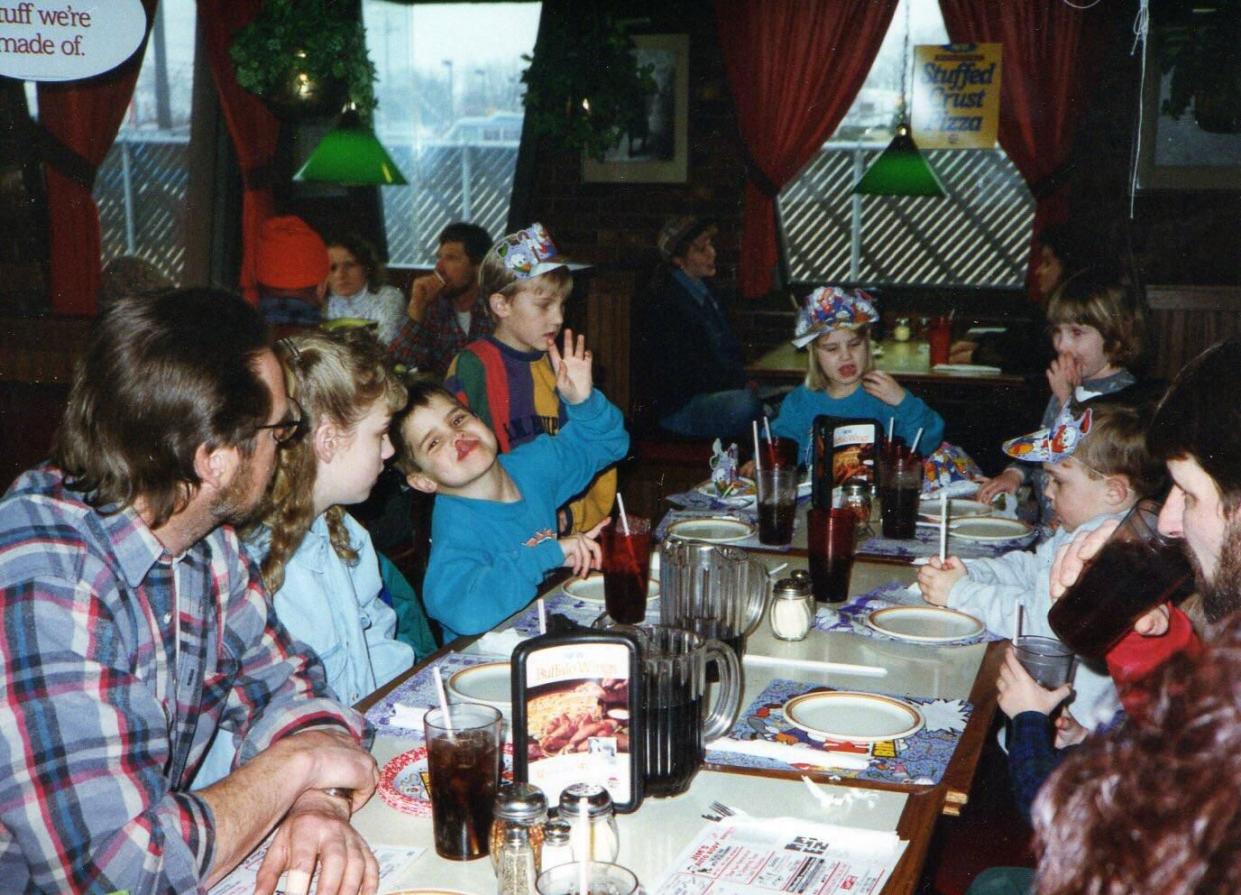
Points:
[(767, 428), (542, 617), (771, 573), (1021, 611), (913, 448), (620, 501), (943, 526), (891, 424), (439, 276), (439, 691), (584, 826), (758, 458)]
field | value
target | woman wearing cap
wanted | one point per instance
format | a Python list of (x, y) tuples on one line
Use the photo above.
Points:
[(690, 363)]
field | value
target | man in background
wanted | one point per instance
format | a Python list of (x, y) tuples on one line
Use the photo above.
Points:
[(292, 267)]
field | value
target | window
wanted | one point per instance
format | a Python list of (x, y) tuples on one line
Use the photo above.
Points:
[(450, 114), (977, 236), (141, 188)]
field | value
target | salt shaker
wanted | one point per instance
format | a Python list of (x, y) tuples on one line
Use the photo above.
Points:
[(557, 847), (518, 805), (515, 871), (588, 809), (792, 609)]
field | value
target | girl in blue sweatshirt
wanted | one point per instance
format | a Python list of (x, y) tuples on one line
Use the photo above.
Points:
[(841, 380)]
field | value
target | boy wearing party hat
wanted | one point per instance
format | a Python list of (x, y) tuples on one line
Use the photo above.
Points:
[(507, 378), (1097, 467)]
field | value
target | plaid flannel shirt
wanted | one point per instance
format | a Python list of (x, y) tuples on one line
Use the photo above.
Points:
[(432, 344), (99, 734)]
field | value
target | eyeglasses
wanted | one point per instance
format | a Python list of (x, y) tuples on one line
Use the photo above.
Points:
[(287, 430)]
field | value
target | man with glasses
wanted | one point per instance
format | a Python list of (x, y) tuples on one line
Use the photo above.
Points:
[(133, 630)]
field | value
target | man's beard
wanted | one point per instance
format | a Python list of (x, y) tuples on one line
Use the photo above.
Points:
[(1221, 596), (237, 504)]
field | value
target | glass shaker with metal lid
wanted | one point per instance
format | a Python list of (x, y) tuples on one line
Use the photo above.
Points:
[(588, 809), (518, 805), (792, 608)]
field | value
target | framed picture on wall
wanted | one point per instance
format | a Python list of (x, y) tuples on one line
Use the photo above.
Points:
[(659, 154), (1190, 133)]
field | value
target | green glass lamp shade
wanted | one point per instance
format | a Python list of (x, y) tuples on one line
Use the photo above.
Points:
[(351, 155), (900, 170)]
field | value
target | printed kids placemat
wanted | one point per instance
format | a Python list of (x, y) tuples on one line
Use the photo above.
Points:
[(400, 713), (918, 759), (582, 609), (853, 617), (925, 542)]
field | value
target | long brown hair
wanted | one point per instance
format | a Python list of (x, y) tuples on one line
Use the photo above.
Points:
[(163, 374), (331, 377)]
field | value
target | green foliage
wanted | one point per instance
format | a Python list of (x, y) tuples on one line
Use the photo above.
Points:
[(313, 36), (595, 64)]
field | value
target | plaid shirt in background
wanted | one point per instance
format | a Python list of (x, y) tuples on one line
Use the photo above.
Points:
[(99, 735), (431, 345)]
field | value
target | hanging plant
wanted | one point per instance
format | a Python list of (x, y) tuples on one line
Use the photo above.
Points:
[(305, 57), (1198, 47), (584, 88)]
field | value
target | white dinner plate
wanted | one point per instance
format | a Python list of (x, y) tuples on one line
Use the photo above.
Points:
[(488, 684), (924, 624), (988, 528), (969, 369), (742, 494), (590, 588), (958, 508), (853, 717), (713, 529)]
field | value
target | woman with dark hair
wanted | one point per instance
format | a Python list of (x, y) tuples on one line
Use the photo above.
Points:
[(356, 287)]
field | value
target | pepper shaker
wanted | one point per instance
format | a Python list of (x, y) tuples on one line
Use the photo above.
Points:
[(518, 805), (516, 873)]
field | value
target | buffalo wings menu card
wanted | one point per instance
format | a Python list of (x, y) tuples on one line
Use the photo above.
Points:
[(765, 856)]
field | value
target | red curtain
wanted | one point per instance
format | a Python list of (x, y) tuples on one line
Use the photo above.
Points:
[(254, 129), (1049, 71), (80, 120), (795, 67)]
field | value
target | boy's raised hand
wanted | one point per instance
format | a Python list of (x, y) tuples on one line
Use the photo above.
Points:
[(1018, 692), (935, 580), (573, 376)]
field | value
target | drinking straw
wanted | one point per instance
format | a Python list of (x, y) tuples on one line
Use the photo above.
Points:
[(542, 617), (440, 277), (439, 691), (620, 501), (1021, 611), (891, 424), (771, 573), (758, 464), (943, 526), (771, 445), (913, 448), (585, 825)]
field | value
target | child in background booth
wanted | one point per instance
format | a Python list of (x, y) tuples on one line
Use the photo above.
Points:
[(1098, 329), (493, 530), (1098, 467), (356, 287), (318, 562), (506, 378), (840, 377)]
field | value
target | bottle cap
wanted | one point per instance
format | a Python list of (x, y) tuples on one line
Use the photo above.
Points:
[(523, 803), (597, 800), (791, 589)]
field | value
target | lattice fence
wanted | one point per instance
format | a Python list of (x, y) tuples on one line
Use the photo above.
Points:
[(447, 182), (141, 191), (979, 235)]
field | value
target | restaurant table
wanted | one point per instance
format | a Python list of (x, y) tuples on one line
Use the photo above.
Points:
[(906, 361), (652, 837)]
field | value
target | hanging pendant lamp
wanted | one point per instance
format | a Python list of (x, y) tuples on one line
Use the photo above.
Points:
[(351, 155), (901, 169)]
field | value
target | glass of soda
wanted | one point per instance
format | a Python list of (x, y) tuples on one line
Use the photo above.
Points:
[(463, 758), (777, 504), (900, 487), (626, 568)]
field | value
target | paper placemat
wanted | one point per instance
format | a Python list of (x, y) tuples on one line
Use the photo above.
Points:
[(919, 759), (850, 617), (400, 713), (925, 542)]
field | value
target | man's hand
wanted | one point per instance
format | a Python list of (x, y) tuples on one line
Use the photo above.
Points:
[(1063, 376), (316, 831), (422, 292), (573, 377), (1007, 482), (1018, 692), (1069, 731), (582, 551), (334, 759), (935, 580), (1072, 557), (881, 385)]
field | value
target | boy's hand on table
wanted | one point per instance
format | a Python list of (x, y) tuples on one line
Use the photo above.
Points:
[(1018, 692), (936, 579), (1007, 482), (1072, 557), (573, 377), (582, 551)]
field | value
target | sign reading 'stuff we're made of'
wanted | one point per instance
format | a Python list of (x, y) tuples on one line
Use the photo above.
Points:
[(60, 40), (956, 96)]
